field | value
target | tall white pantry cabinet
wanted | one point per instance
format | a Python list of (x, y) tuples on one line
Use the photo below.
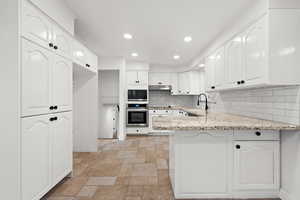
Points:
[(36, 134)]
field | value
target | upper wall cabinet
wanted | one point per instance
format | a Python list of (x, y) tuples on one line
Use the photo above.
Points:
[(40, 29), (137, 79), (36, 27), (234, 60), (62, 42), (190, 83), (83, 57), (159, 78), (259, 55), (255, 49), (215, 69)]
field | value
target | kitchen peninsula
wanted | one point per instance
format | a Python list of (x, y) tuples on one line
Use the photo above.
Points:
[(218, 155)]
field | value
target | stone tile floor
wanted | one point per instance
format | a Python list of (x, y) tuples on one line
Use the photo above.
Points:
[(135, 169)]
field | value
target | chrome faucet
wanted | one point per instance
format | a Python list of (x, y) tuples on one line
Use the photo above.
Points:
[(199, 100)]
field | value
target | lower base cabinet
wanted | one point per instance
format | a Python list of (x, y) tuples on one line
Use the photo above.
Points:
[(46, 153), (256, 165), (225, 164)]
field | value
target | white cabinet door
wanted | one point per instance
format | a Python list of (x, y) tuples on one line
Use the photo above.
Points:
[(132, 78), (36, 157), (202, 163), (79, 54), (219, 68), (143, 78), (61, 81), (61, 133), (36, 66), (256, 51), (159, 78), (182, 84), (62, 42), (210, 73), (234, 61), (92, 61), (256, 165), (174, 83), (35, 26)]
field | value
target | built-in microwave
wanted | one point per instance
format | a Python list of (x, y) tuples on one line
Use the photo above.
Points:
[(138, 95), (137, 115)]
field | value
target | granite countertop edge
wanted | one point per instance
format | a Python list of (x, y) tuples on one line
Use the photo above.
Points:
[(214, 121)]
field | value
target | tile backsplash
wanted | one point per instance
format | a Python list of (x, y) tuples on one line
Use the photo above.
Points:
[(164, 98), (279, 104)]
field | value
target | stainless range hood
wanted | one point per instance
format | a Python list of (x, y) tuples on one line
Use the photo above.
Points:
[(160, 87)]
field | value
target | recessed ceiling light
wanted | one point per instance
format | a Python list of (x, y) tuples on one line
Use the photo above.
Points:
[(201, 65), (176, 57), (188, 39), (134, 54), (127, 36)]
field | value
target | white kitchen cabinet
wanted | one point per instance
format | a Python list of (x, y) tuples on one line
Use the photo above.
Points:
[(46, 153), (35, 26), (190, 83), (46, 81), (36, 87), (159, 78), (255, 49), (201, 164), (219, 68), (137, 79), (259, 55), (174, 83), (61, 84), (256, 165), (79, 53), (36, 157), (92, 61), (183, 83), (215, 70), (62, 42), (234, 62), (62, 148), (210, 73)]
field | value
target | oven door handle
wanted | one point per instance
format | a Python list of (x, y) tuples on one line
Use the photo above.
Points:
[(138, 110)]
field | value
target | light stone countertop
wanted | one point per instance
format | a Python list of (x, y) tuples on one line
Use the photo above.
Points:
[(215, 121)]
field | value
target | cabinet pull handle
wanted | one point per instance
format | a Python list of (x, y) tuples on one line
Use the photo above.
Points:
[(51, 45), (53, 119), (238, 146), (242, 82), (87, 65), (258, 133), (55, 107), (55, 47), (51, 107), (213, 87), (239, 82)]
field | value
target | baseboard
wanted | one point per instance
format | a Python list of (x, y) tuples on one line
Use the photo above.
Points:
[(284, 195)]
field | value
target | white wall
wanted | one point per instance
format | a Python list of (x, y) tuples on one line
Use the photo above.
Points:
[(58, 11), (85, 111), (10, 101)]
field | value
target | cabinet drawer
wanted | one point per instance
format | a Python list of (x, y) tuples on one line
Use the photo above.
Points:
[(256, 135)]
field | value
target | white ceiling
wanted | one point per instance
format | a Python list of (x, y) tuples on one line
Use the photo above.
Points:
[(158, 26)]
